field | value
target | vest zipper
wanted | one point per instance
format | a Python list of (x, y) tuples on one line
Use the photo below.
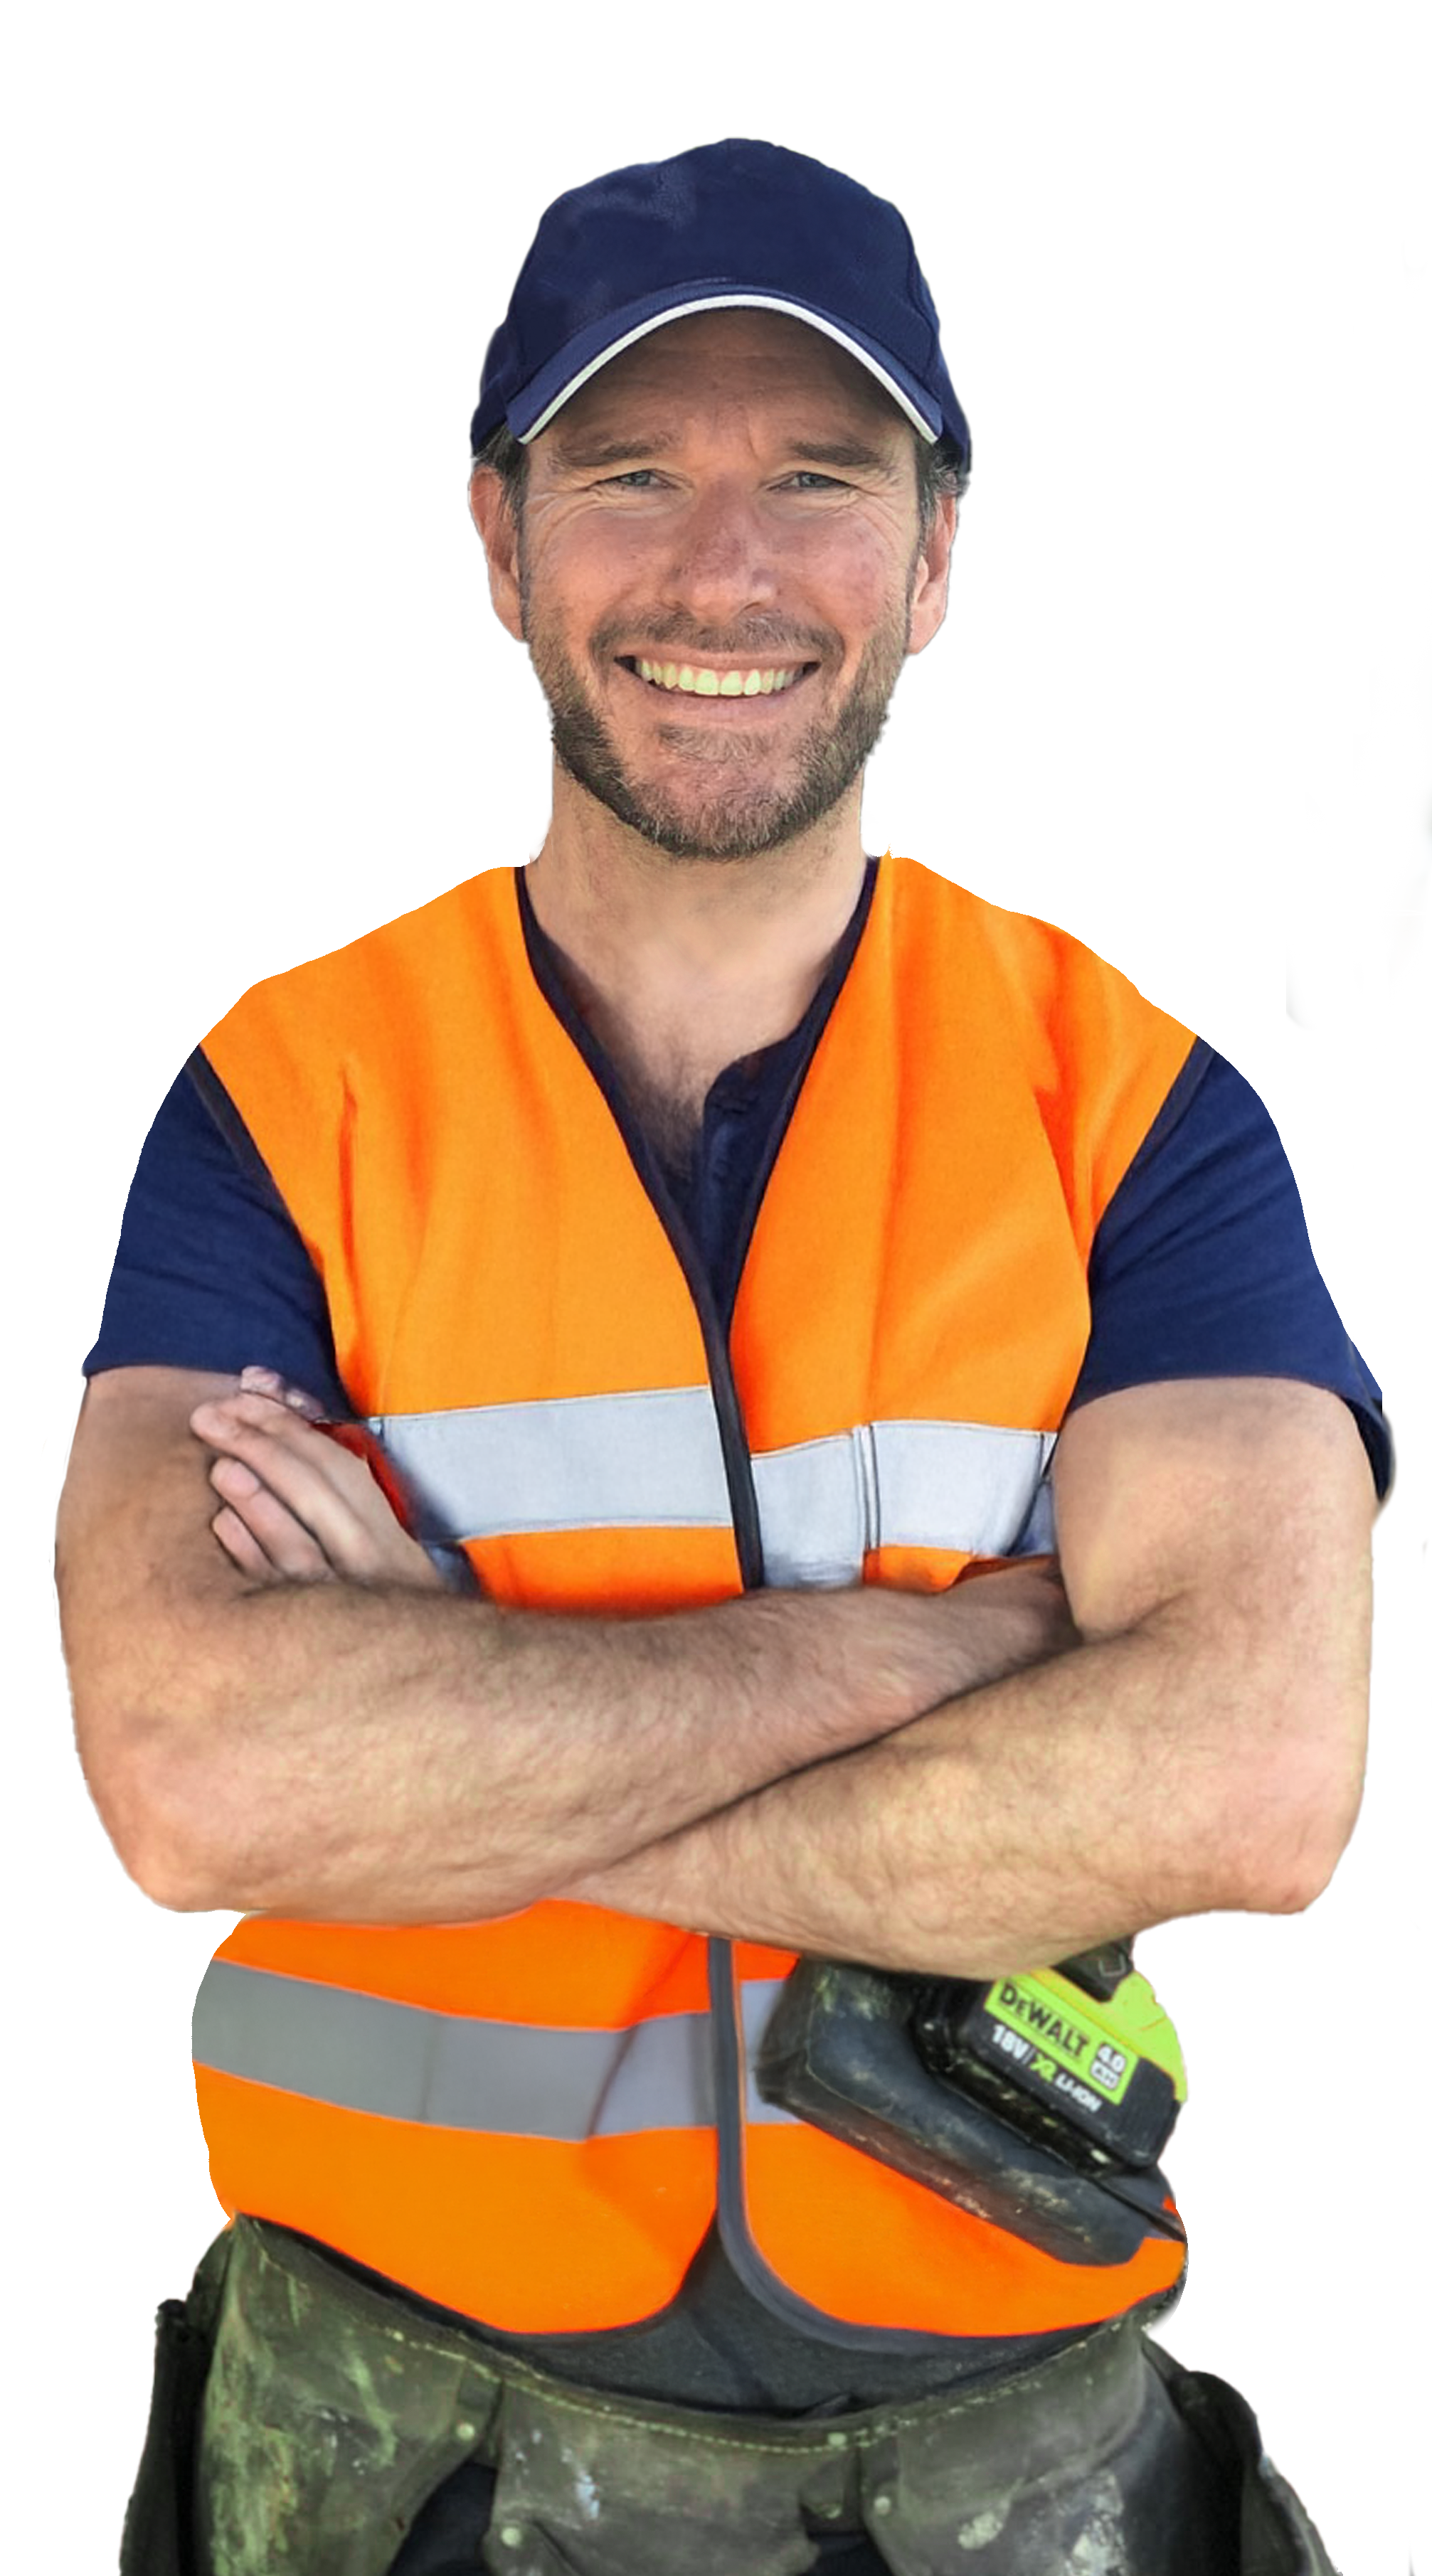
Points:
[(728, 2048), (727, 2035), (868, 1479)]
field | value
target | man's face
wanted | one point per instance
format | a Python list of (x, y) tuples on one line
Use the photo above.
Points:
[(719, 575)]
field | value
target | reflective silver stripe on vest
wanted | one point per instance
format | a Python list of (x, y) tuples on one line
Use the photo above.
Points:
[(758, 2002), (1038, 1537), (363, 2053), (966, 1486), (648, 1460), (652, 1460)]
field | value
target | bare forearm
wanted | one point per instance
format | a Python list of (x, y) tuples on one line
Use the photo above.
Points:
[(1140, 1777), (395, 1757), (310, 1727)]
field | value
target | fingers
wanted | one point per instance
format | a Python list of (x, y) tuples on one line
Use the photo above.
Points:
[(259, 1532), (315, 1483), (254, 1406), (314, 1497), (241, 1545), (311, 1506), (267, 1381), (257, 1426)]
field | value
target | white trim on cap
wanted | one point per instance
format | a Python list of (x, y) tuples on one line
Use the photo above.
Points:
[(720, 303)]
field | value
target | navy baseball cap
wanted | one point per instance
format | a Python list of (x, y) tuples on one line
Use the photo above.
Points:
[(734, 223)]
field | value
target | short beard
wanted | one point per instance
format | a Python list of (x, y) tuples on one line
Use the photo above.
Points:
[(727, 823)]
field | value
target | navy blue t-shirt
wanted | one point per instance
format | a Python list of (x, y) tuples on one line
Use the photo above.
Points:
[(1201, 1268)]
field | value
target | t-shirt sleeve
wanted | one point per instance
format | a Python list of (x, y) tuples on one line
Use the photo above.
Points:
[(1202, 1267), (211, 1271)]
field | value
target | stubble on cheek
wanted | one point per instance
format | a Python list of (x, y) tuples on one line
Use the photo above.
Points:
[(732, 801)]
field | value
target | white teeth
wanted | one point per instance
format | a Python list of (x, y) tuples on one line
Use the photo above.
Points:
[(699, 683)]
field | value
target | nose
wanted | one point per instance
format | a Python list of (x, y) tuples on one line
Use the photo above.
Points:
[(721, 562)]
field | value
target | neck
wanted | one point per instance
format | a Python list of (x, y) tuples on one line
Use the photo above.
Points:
[(680, 966)]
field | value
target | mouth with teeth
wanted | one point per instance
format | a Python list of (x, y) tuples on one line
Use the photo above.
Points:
[(694, 680)]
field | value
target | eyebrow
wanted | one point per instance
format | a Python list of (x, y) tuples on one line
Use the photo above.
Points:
[(851, 453)]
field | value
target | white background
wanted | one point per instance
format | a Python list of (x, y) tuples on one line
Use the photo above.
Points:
[(99, 426)]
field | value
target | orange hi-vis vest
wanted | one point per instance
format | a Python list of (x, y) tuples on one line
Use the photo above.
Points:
[(533, 2121)]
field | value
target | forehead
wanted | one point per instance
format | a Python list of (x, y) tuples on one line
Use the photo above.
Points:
[(728, 363)]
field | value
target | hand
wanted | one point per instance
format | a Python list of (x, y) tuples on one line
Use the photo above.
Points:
[(994, 1621), (1021, 1611), (267, 1381), (297, 1505)]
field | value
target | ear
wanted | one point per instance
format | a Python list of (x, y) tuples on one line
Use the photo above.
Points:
[(496, 524), (931, 588)]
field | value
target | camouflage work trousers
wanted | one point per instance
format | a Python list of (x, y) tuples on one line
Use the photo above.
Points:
[(331, 2415)]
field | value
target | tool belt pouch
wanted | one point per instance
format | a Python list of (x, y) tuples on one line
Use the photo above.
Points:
[(302, 2419), (592, 2488), (329, 2417), (158, 2535), (1029, 2475), (1276, 2536), (1079, 2462)]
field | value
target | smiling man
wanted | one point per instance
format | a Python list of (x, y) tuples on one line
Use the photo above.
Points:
[(811, 1354), (785, 476)]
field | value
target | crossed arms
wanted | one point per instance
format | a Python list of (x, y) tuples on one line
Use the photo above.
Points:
[(296, 1721)]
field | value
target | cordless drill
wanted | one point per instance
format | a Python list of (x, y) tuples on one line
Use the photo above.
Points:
[(1039, 2101)]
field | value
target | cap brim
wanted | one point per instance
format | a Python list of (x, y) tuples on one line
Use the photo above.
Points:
[(529, 412)]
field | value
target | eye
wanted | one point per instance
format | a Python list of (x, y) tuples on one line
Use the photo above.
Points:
[(647, 478)]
